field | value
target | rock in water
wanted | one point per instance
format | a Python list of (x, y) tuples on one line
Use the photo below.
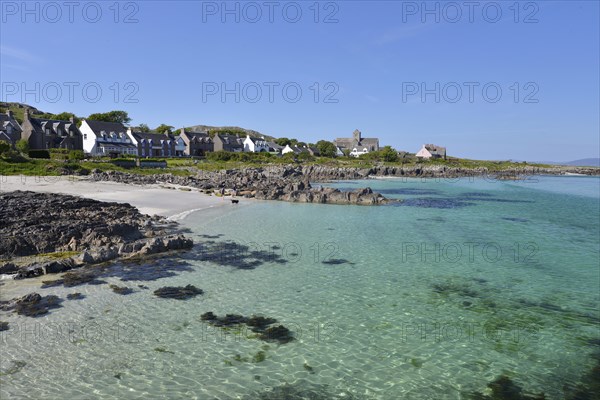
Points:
[(178, 292), (31, 305)]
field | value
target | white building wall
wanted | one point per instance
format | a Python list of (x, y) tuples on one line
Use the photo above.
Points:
[(89, 138)]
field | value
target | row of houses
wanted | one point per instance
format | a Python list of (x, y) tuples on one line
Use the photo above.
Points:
[(99, 138)]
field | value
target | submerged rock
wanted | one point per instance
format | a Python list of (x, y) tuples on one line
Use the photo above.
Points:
[(71, 279), (230, 320), (303, 390), (257, 324), (31, 305), (123, 290), (3, 326), (178, 292), (75, 296), (277, 333), (208, 316), (503, 388)]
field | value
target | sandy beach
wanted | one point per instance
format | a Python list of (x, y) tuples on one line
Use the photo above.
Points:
[(166, 200)]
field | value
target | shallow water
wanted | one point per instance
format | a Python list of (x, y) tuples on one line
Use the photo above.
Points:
[(432, 298)]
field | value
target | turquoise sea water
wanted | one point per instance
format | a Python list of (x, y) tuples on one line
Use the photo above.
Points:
[(432, 298)]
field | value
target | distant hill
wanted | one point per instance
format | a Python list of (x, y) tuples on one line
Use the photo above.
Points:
[(18, 109), (229, 129), (584, 162)]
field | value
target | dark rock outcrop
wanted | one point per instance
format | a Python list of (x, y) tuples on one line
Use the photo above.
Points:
[(31, 305), (257, 324), (42, 233), (285, 183), (178, 292)]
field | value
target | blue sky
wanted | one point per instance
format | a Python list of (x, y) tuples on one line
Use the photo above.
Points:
[(358, 64)]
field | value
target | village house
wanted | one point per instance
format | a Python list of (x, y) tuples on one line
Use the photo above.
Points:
[(356, 145), (194, 143), (274, 147), (313, 151), (255, 145), (153, 144), (10, 130), (431, 151), (43, 133), (224, 142), (291, 149), (106, 138)]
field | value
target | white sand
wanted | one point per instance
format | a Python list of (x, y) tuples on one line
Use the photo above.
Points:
[(151, 199)]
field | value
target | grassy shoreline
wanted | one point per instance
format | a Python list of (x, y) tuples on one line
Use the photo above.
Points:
[(190, 167)]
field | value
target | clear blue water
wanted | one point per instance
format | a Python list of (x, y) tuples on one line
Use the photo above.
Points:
[(432, 298)]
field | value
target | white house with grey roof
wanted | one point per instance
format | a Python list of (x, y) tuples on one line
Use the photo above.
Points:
[(106, 138), (255, 145)]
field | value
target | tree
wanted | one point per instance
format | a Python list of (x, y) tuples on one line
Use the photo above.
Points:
[(111, 116), (65, 116), (326, 148), (163, 128), (4, 147), (283, 141), (23, 146), (144, 128), (388, 154)]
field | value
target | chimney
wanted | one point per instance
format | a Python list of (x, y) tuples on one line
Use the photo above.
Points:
[(9, 113), (72, 119), (181, 131), (26, 114)]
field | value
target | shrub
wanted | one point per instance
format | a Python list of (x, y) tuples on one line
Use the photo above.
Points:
[(58, 154), (39, 154), (305, 156), (4, 147), (23, 146), (220, 156), (388, 154), (76, 155)]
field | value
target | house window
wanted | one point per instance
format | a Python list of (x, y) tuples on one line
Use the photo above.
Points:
[(85, 136), (47, 131)]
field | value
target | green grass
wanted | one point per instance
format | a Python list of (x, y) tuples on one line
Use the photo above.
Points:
[(188, 167), (59, 254)]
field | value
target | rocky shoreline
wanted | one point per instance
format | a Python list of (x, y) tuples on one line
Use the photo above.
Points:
[(293, 183), (319, 173), (44, 233), (270, 183)]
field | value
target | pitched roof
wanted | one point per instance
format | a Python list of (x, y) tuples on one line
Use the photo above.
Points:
[(152, 136), (108, 127), (433, 149), (256, 139), (5, 120), (117, 144), (230, 140), (275, 146), (41, 124)]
